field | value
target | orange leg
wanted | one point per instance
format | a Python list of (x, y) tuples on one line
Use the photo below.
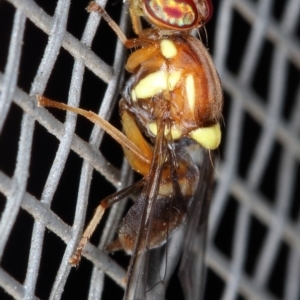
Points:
[(133, 133), (117, 135), (132, 43), (104, 204), (139, 154)]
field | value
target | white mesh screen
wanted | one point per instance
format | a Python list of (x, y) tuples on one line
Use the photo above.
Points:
[(52, 174)]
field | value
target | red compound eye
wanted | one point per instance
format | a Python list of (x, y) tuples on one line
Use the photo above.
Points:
[(178, 14), (207, 10)]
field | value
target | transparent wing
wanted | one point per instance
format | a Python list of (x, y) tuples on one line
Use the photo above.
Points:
[(192, 268), (138, 279), (146, 280), (160, 216)]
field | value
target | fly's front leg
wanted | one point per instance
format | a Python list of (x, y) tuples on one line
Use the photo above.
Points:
[(128, 43), (94, 7)]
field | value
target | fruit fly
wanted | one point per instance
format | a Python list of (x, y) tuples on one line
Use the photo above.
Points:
[(172, 101)]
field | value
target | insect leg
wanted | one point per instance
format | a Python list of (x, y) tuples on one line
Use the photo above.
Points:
[(134, 134), (132, 43), (94, 7), (135, 12), (104, 204), (117, 135)]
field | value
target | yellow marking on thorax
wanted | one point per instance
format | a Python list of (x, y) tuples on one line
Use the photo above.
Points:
[(190, 90), (207, 137), (155, 83), (133, 95), (168, 49), (173, 80), (151, 85), (175, 132)]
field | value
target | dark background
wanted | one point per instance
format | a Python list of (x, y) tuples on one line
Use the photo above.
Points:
[(45, 147)]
